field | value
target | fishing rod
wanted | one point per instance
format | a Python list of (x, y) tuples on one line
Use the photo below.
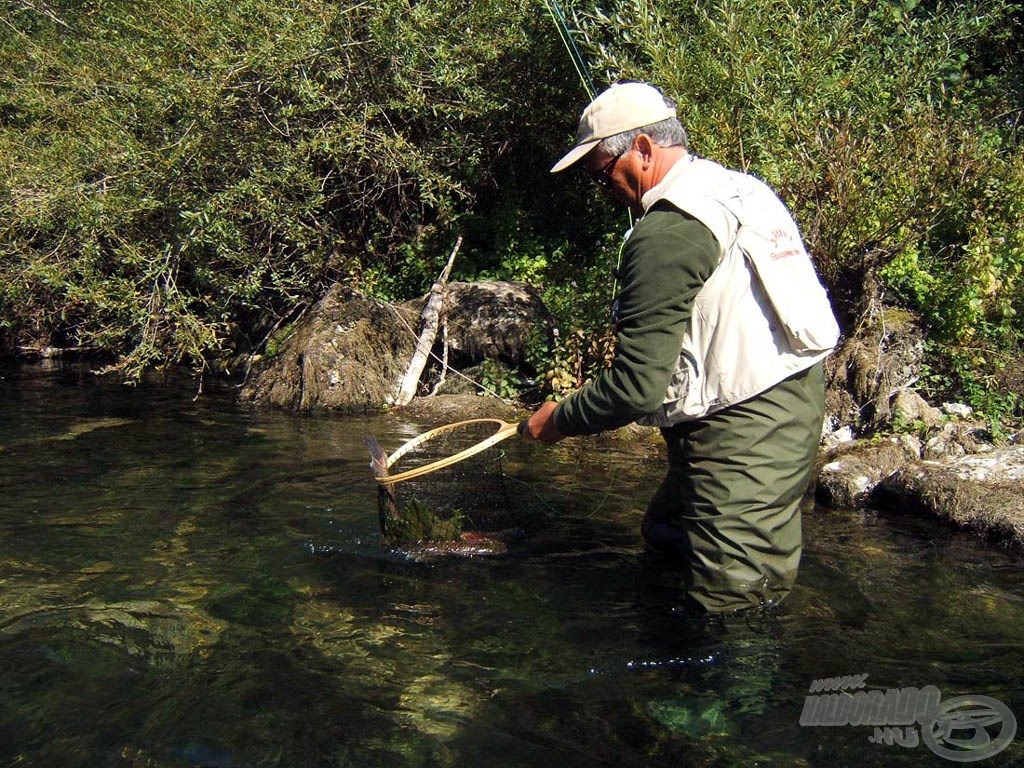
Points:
[(565, 34), (580, 64)]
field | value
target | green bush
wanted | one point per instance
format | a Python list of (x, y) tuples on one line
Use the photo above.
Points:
[(177, 178)]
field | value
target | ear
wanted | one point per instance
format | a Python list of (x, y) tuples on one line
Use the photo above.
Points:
[(645, 147)]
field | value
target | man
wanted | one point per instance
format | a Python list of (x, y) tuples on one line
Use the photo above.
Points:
[(722, 325)]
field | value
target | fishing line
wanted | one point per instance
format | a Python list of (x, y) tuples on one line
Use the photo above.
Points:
[(565, 34), (583, 70)]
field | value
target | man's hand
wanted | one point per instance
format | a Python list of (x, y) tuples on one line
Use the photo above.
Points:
[(541, 425)]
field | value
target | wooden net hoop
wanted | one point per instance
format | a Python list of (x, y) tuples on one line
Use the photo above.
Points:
[(502, 431)]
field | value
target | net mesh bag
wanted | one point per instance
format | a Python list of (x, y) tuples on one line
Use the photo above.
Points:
[(475, 505)]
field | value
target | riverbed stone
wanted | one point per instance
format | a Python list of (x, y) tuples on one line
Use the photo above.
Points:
[(162, 631)]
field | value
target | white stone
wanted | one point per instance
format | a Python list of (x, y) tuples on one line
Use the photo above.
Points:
[(958, 409)]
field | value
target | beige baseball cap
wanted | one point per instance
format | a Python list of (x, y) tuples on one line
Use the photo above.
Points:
[(620, 107)]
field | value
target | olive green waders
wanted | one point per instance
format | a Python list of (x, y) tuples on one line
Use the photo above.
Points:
[(730, 504)]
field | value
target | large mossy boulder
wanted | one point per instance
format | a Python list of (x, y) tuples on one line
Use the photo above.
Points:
[(494, 319), (348, 353), (980, 492)]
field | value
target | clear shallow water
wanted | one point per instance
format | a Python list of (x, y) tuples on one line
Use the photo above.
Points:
[(186, 583)]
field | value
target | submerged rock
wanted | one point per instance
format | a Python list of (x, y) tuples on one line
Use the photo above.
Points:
[(157, 630)]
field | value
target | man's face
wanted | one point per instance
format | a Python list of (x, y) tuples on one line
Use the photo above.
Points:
[(614, 174)]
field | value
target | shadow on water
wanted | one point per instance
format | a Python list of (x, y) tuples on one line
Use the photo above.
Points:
[(187, 583)]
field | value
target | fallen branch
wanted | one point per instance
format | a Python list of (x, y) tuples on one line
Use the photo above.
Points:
[(444, 356), (430, 319)]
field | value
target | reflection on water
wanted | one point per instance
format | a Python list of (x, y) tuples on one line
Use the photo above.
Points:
[(186, 583)]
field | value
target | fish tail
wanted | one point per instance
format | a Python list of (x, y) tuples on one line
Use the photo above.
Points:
[(378, 459)]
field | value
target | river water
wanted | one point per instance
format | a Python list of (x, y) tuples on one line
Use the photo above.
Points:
[(184, 582)]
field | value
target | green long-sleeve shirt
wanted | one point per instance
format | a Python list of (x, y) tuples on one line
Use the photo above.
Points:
[(666, 261)]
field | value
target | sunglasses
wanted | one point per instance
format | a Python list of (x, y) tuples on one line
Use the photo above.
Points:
[(602, 176)]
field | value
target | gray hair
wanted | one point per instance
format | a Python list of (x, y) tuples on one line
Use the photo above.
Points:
[(664, 133)]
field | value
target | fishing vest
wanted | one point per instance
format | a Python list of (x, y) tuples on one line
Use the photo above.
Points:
[(762, 315)]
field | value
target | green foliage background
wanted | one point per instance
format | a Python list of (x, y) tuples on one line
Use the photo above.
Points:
[(894, 132), (178, 179)]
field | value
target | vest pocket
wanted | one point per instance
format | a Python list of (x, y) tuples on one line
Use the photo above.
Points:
[(792, 286)]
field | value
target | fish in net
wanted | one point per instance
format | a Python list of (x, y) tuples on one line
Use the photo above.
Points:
[(473, 505)]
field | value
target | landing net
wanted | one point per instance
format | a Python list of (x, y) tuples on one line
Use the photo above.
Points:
[(473, 506)]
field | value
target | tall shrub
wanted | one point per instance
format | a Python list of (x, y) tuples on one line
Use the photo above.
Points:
[(178, 177)]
